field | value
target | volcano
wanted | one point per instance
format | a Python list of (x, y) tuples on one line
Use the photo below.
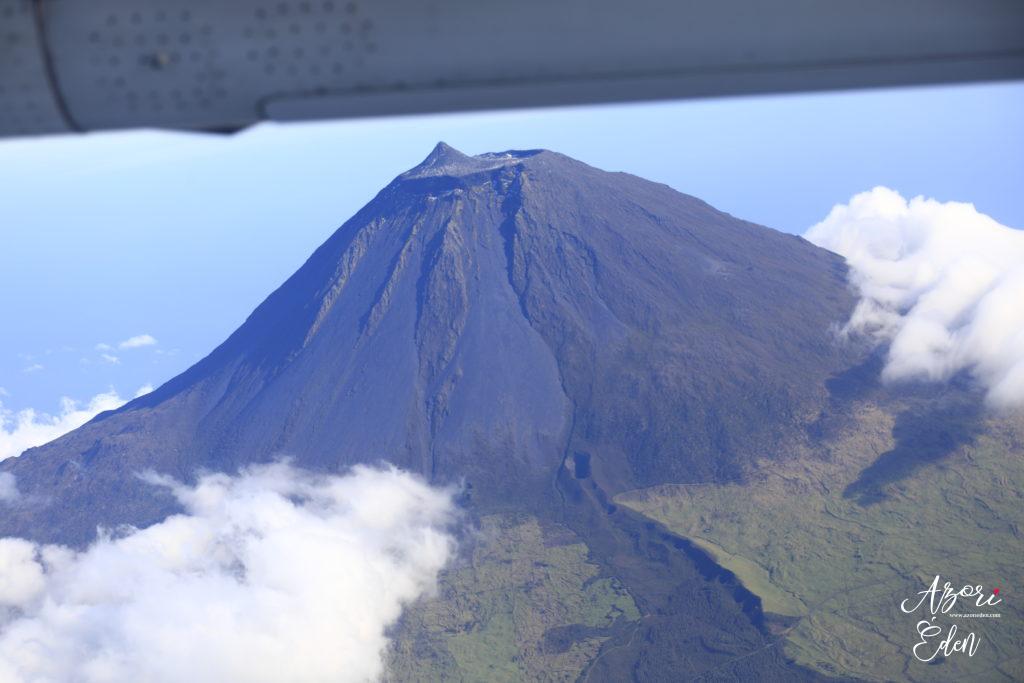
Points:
[(482, 319), (545, 334)]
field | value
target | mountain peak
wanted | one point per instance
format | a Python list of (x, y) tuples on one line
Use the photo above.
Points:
[(445, 160), (444, 154)]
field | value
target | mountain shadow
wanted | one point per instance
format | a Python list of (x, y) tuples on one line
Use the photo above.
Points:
[(924, 435)]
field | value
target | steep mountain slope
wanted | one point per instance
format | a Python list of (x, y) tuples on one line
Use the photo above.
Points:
[(480, 319), (548, 334)]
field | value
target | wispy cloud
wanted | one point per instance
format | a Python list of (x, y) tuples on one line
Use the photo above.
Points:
[(8, 493), (29, 428), (137, 341), (276, 574), (110, 359), (940, 282), (34, 367)]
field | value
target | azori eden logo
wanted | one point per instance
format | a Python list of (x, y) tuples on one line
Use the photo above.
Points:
[(939, 603)]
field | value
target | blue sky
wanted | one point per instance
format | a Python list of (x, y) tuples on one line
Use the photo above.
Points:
[(105, 237)]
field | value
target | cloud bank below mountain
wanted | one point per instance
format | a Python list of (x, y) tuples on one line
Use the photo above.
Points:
[(940, 282), (275, 574)]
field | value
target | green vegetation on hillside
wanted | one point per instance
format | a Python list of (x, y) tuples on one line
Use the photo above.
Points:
[(525, 605), (818, 539)]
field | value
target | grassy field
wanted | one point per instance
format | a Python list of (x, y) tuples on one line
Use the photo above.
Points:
[(839, 535), (525, 604)]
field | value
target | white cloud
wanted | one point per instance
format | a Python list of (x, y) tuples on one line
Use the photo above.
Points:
[(943, 283), (20, 575), (27, 428), (273, 575), (104, 347), (111, 359), (143, 390), (8, 490), (34, 367), (137, 341)]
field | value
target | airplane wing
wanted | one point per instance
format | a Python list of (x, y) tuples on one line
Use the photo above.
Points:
[(220, 65)]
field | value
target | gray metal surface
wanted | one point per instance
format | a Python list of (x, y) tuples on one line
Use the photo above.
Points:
[(27, 102), (224, 64)]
